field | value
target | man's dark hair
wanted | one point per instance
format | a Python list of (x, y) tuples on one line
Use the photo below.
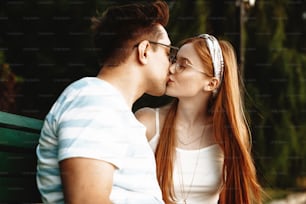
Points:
[(119, 28)]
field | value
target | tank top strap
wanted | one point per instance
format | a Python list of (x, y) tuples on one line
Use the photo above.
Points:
[(154, 140), (157, 121)]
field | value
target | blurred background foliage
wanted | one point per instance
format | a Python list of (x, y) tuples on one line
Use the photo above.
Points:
[(46, 44)]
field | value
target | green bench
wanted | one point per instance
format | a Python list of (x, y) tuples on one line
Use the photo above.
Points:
[(18, 140)]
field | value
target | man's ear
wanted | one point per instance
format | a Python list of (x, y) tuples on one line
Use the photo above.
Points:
[(212, 84), (142, 49)]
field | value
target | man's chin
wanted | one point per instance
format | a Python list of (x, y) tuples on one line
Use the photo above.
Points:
[(161, 92)]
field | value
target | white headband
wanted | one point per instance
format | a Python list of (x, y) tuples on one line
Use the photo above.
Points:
[(216, 55)]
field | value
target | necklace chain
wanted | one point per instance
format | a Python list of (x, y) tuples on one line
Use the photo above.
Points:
[(190, 142), (185, 194)]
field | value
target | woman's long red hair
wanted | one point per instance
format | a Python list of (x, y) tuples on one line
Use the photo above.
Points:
[(231, 130)]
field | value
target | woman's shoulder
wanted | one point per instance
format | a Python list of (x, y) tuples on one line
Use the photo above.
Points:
[(149, 114), (145, 114), (147, 117)]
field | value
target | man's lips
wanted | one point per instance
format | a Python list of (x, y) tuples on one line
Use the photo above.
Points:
[(169, 80)]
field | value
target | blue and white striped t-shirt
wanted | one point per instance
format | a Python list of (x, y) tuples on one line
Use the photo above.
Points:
[(91, 119)]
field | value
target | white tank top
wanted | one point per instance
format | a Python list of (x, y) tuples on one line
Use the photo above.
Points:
[(207, 177)]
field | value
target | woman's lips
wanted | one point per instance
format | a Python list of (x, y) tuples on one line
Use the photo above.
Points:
[(169, 81)]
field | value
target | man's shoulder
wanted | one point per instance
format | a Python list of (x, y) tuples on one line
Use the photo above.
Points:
[(89, 88), (87, 82)]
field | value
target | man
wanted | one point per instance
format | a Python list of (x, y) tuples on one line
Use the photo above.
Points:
[(92, 149)]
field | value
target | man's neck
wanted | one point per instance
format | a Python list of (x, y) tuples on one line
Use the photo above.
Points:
[(125, 80)]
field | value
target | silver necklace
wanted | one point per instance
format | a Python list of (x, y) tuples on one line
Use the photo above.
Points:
[(190, 142), (185, 194)]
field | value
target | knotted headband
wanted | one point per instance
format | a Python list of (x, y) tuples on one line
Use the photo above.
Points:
[(216, 55)]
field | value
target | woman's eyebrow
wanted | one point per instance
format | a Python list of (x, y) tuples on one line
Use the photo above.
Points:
[(184, 58)]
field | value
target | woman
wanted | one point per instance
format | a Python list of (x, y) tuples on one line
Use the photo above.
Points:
[(203, 149)]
